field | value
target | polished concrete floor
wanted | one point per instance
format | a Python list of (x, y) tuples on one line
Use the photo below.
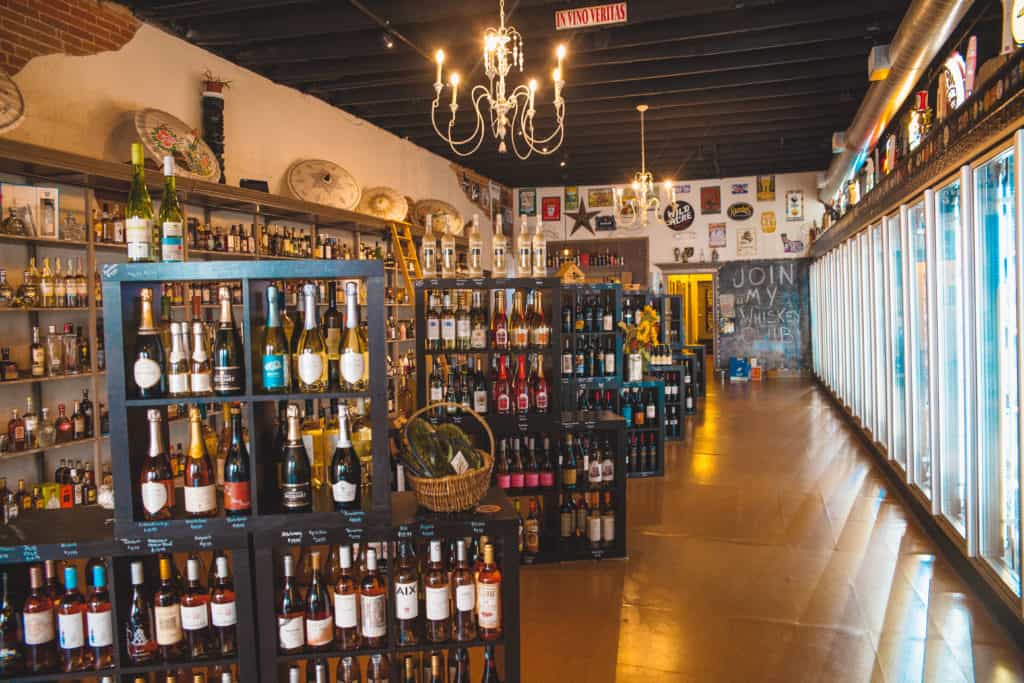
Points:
[(771, 551)]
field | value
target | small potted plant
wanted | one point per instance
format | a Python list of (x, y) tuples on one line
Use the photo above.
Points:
[(214, 84), (638, 342)]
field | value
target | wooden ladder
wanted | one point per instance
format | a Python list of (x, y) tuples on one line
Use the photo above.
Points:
[(406, 258)]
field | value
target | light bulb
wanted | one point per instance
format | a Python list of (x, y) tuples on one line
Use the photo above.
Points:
[(439, 56), (560, 51), (533, 85), (455, 80)]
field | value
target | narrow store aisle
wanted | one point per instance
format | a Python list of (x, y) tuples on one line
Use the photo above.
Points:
[(771, 551)]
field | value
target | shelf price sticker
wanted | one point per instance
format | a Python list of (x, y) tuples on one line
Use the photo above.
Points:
[(427, 530), (291, 537), (69, 549), (478, 527), (205, 541), (160, 545), (30, 553), (132, 545), (354, 534), (404, 532), (317, 536)]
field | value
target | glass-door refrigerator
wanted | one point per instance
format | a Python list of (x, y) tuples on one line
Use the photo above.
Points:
[(917, 284)]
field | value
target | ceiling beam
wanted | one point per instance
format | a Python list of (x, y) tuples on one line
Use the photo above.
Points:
[(166, 11)]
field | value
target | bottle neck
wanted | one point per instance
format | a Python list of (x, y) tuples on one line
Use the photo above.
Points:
[(294, 428), (146, 318), (236, 429), (343, 437), (332, 295), (197, 447), (310, 317), (225, 312), (156, 439), (273, 308), (351, 308)]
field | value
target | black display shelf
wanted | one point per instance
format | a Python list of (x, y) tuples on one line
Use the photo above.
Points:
[(700, 369), (66, 534), (638, 469), (572, 384), (674, 376)]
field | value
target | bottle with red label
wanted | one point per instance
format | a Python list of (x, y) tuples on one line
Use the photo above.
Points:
[(539, 388), (502, 389), (237, 487), (517, 473), (501, 466), (499, 323), (521, 389)]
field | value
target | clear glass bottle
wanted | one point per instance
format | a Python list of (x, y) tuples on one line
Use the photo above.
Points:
[(476, 248), (428, 253), (46, 286), (47, 430), (70, 341), (6, 292)]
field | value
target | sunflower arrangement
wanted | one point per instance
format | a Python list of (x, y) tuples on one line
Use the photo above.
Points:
[(642, 336)]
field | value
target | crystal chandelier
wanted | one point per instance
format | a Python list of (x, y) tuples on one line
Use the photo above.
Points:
[(646, 193), (508, 113)]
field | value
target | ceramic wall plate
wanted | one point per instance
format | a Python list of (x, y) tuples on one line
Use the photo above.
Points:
[(164, 134), (383, 202), (12, 105), (323, 182), (434, 207)]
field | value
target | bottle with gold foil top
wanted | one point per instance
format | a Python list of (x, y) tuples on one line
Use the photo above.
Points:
[(148, 368), (200, 486)]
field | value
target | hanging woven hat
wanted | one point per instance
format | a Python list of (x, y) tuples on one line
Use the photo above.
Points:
[(322, 182), (443, 213), (383, 202)]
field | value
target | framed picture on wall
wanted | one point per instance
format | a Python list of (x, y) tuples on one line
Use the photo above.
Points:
[(528, 202), (794, 205), (710, 200), (600, 197), (766, 188), (551, 208), (572, 197), (716, 235)]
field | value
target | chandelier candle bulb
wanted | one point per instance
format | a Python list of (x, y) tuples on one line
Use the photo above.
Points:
[(455, 91), (439, 56), (533, 92)]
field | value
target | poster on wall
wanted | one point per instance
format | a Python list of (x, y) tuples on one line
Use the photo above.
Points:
[(746, 242), (599, 198), (791, 246), (795, 205), (766, 188), (572, 197), (740, 188), (678, 215), (768, 222), (605, 223), (551, 208), (710, 200), (716, 235), (740, 211), (682, 189), (528, 202)]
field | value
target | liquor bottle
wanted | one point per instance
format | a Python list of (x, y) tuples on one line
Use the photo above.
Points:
[(171, 218), (140, 637), (406, 596), (99, 620), (540, 252), (373, 605), (311, 352), (447, 252), (156, 480), (223, 611), (237, 480), (290, 612), (139, 213), (524, 249), (318, 617), (37, 355), (62, 426), (429, 248), (354, 360), (332, 336), (521, 389), (499, 323), (195, 613), (147, 370), (518, 326), (8, 368), (11, 658), (345, 468), (488, 597), (200, 485), (490, 666), (296, 484), (71, 623), (346, 621), (438, 597), (228, 364), (170, 638), (39, 631), (46, 285)]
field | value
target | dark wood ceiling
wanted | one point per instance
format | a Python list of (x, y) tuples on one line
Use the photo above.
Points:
[(735, 87)]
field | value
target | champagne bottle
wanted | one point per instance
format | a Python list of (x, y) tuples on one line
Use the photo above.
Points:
[(296, 487), (354, 365), (178, 369), (311, 352), (171, 218), (156, 478), (200, 488), (345, 468), (228, 365), (332, 336), (148, 368), (237, 486), (139, 213), (276, 372)]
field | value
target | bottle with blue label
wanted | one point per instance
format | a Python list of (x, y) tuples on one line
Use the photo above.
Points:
[(275, 375)]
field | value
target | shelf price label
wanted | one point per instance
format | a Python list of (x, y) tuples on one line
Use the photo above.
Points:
[(355, 534), (291, 537), (30, 553), (205, 541), (404, 532), (318, 536), (132, 545), (69, 549), (159, 545), (478, 527), (427, 530)]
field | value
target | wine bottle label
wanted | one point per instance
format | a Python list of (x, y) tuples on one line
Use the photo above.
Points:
[(101, 628), (594, 472), (488, 600), (504, 481), (517, 480), (462, 329), (609, 323), (168, 625), (237, 495), (480, 401), (607, 470), (227, 378), (273, 371), (201, 383), (501, 337), (594, 529), (541, 401), (155, 495), (465, 598), (352, 366), (437, 604), (195, 617), (569, 476), (566, 363), (71, 630), (566, 523), (200, 499), (608, 528), (609, 363), (532, 479), (406, 601), (433, 329), (374, 618), (291, 632), (448, 329), (311, 366), (343, 491), (478, 337), (224, 614), (319, 631), (345, 615), (651, 411), (146, 372), (547, 478), (177, 383), (332, 341), (39, 628), (541, 336), (522, 402), (171, 242), (689, 403), (520, 337), (139, 236)]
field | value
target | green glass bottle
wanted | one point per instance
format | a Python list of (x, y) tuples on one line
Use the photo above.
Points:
[(171, 220), (228, 365), (276, 365), (138, 213)]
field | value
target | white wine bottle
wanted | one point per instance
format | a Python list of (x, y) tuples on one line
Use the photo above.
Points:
[(138, 213), (148, 366), (311, 352), (354, 362), (171, 218)]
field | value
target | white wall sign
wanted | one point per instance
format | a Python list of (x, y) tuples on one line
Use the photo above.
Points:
[(597, 15)]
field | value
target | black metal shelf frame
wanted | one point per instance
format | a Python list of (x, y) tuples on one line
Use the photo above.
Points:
[(572, 383), (649, 384)]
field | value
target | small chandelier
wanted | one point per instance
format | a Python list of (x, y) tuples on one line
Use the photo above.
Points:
[(508, 113), (645, 196)]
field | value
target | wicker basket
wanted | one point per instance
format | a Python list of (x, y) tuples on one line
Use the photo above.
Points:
[(456, 492)]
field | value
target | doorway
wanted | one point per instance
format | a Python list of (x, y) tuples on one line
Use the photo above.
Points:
[(698, 293)]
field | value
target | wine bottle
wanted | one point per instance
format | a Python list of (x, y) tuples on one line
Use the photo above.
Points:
[(99, 620), (296, 485), (519, 329), (332, 337), (148, 367), (40, 632), (140, 638), (346, 622), (435, 585), (476, 248), (171, 218), (429, 248), (228, 364), (156, 480), (311, 352), (178, 365), (71, 623), (345, 467), (499, 322), (407, 596), (373, 604), (195, 612), (464, 586), (521, 390), (200, 485), (170, 638), (319, 621), (291, 635), (540, 252), (223, 611), (490, 666), (201, 370), (237, 480), (11, 659), (354, 362), (539, 391), (488, 597), (139, 213), (276, 365)]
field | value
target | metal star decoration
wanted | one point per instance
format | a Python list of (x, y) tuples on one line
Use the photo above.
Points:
[(582, 218)]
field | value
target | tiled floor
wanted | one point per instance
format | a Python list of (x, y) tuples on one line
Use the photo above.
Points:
[(771, 551)]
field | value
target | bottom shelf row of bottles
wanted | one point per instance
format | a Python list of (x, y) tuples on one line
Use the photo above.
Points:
[(455, 665)]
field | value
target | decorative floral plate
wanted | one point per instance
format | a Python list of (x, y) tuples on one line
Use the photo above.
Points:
[(436, 208), (12, 105), (383, 202), (164, 134), (322, 182)]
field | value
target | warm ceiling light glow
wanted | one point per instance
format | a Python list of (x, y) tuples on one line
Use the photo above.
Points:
[(533, 85), (560, 51), (439, 56), (455, 79)]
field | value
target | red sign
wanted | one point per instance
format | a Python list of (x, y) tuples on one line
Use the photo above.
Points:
[(583, 17)]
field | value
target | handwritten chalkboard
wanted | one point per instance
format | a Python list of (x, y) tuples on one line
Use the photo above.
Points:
[(764, 313)]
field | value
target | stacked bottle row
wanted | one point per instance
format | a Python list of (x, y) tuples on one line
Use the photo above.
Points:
[(56, 355), (234, 239), (31, 430), (592, 357), (438, 257), (523, 390), (212, 674), (53, 287), (452, 596), (644, 453), (585, 258), (457, 320), (415, 667), (591, 314), (680, 392), (595, 399), (74, 484)]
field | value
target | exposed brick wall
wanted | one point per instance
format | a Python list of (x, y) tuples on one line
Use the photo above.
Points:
[(30, 28)]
